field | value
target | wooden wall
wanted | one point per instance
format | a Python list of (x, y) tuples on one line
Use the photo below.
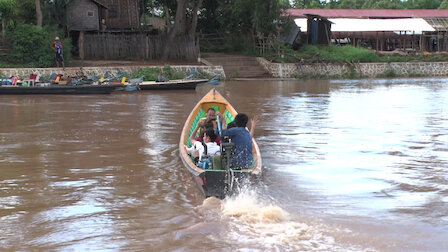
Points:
[(121, 14), (83, 16), (134, 46)]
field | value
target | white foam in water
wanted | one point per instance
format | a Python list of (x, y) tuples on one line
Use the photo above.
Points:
[(257, 225)]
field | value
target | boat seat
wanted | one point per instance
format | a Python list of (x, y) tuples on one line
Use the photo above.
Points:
[(32, 79)]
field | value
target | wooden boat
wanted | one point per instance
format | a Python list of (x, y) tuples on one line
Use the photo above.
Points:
[(57, 89), (171, 84), (216, 183)]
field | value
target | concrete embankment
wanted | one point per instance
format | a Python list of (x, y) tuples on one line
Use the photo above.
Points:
[(355, 70), (101, 71), (276, 70)]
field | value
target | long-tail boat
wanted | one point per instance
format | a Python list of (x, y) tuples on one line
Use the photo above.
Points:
[(222, 181), (57, 89)]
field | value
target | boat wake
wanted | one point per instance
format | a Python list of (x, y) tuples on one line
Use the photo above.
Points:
[(247, 223)]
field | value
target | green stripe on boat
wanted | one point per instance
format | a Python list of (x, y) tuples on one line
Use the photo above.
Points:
[(228, 116), (199, 115)]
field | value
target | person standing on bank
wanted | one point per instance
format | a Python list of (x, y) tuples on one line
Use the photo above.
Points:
[(58, 53)]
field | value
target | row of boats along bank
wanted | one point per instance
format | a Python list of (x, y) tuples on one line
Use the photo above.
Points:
[(58, 85)]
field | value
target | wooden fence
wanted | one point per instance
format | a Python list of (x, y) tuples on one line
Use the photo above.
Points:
[(134, 46)]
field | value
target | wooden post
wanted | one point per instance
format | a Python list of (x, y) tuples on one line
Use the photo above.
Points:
[(81, 45), (147, 45), (413, 41), (443, 41), (422, 42), (404, 40), (104, 45), (377, 42)]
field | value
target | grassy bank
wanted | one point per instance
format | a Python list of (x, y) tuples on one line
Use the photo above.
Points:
[(344, 54)]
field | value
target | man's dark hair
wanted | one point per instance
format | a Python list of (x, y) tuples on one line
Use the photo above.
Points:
[(241, 120), (231, 124), (211, 109), (211, 133)]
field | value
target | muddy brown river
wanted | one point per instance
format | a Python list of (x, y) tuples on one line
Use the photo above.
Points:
[(357, 165)]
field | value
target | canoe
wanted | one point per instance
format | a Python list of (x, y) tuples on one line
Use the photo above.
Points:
[(171, 84), (57, 89), (213, 182)]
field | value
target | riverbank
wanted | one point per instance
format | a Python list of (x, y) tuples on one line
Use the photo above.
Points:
[(276, 70), (355, 70), (111, 67)]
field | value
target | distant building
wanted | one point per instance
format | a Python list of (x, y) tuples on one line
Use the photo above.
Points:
[(101, 15), (383, 29), (85, 15)]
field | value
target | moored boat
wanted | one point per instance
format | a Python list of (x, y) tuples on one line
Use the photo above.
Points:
[(216, 182), (171, 84), (57, 89)]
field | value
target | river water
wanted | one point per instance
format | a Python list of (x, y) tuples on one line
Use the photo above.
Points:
[(359, 165)]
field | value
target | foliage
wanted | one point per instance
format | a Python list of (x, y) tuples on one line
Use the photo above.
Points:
[(389, 73), (31, 46), (242, 16), (172, 74), (335, 53), (444, 5), (151, 74), (26, 12), (7, 8), (309, 4)]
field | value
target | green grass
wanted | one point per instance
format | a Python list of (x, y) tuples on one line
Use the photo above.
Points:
[(344, 54), (333, 54), (151, 73)]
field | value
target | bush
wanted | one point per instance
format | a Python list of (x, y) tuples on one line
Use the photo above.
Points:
[(151, 74), (172, 74), (30, 46), (335, 53)]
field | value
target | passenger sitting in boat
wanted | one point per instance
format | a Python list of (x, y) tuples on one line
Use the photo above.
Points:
[(210, 115), (201, 127), (242, 139), (206, 148)]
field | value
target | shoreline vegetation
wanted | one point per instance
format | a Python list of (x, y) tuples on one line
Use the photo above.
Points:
[(310, 55)]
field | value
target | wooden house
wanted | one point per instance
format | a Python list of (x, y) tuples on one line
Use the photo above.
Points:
[(85, 15), (121, 14), (101, 15)]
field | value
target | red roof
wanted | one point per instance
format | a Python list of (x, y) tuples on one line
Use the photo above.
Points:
[(375, 13)]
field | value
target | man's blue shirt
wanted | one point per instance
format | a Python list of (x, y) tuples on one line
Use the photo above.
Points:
[(243, 146)]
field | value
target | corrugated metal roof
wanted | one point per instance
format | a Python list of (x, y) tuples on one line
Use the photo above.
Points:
[(440, 24), (368, 25), (376, 13), (99, 3)]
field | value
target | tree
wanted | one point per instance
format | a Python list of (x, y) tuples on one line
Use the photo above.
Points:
[(7, 10), (309, 4), (444, 5), (182, 24), (351, 4), (38, 14)]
